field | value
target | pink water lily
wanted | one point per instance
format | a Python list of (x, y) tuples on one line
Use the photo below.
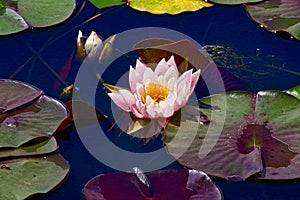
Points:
[(157, 94)]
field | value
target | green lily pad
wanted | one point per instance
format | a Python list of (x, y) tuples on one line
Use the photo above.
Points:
[(43, 147), (16, 16), (295, 91), (233, 2), (277, 15), (26, 114), (107, 3), (21, 178), (260, 135), (168, 6)]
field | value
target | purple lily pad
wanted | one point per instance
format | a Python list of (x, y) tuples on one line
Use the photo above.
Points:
[(164, 184), (26, 114), (277, 15), (258, 134)]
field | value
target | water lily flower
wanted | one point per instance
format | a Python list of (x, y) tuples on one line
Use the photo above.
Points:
[(156, 94)]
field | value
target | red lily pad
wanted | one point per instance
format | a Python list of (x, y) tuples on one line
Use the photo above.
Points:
[(186, 55), (259, 134), (277, 15), (26, 114), (159, 185)]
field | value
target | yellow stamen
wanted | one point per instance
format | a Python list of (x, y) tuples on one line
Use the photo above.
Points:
[(156, 92)]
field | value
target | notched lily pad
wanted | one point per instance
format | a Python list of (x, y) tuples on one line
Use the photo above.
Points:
[(277, 15), (21, 178), (164, 184), (26, 114), (16, 16), (260, 135), (167, 6)]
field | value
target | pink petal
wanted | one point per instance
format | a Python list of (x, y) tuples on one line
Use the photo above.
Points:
[(149, 76), (171, 72), (195, 78), (165, 110), (136, 112), (120, 101), (161, 67), (133, 75), (162, 122), (186, 76), (171, 61), (140, 67)]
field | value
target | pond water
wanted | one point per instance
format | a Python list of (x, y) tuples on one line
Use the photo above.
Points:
[(251, 48)]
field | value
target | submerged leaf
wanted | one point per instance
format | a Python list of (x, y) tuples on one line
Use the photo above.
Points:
[(164, 184), (260, 134), (82, 113), (277, 15), (167, 6), (21, 178)]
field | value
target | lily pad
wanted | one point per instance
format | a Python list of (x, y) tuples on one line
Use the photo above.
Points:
[(43, 147), (26, 114), (21, 178), (295, 91), (16, 16), (107, 3), (164, 184), (260, 135), (152, 50), (168, 6), (234, 2), (277, 15)]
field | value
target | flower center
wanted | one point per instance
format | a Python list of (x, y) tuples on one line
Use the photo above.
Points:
[(156, 92)]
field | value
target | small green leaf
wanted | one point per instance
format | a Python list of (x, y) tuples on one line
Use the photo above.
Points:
[(107, 3)]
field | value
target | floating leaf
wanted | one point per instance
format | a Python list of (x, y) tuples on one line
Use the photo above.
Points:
[(107, 3), (26, 114), (21, 178), (42, 147), (295, 91), (277, 15), (164, 184), (152, 50), (260, 134), (16, 16), (167, 6), (233, 2)]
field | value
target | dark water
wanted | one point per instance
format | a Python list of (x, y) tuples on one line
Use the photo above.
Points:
[(219, 25)]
